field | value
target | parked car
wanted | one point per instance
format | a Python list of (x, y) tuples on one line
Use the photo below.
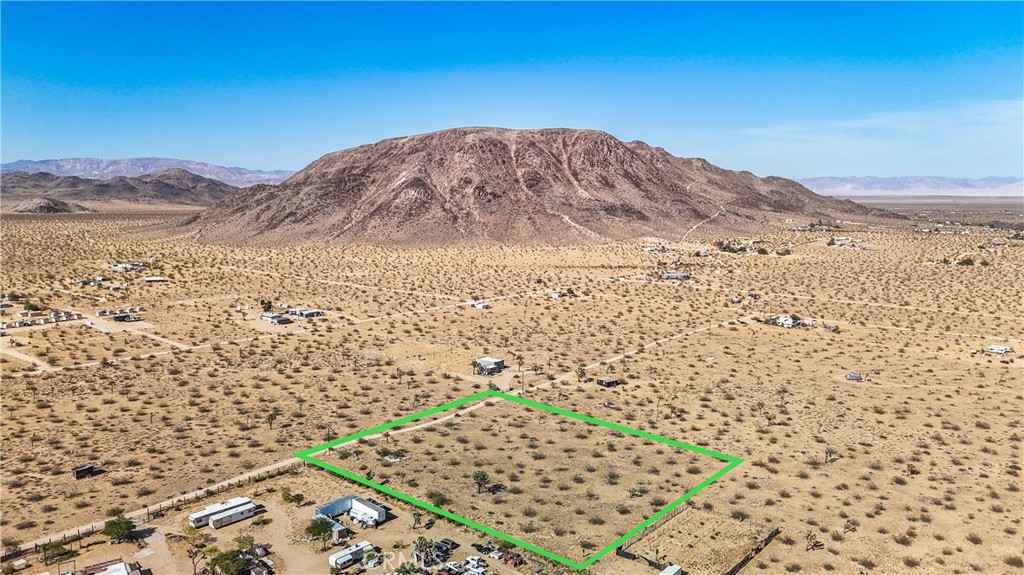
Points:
[(451, 544), (496, 554)]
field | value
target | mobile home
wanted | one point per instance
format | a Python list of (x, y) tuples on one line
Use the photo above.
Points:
[(349, 555), (233, 515), (202, 518), (999, 349)]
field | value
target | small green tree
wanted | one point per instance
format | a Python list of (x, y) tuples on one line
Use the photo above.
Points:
[(320, 528), (406, 568), (52, 551), (245, 542), (119, 529), (266, 305), (227, 563), (286, 494)]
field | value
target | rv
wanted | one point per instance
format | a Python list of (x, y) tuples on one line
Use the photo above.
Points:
[(999, 349), (202, 518), (233, 515)]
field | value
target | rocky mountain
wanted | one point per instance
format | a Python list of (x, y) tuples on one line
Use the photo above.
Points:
[(915, 186), (47, 206), (95, 168), (495, 185), (173, 186)]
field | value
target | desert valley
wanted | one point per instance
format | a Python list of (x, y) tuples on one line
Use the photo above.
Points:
[(634, 315)]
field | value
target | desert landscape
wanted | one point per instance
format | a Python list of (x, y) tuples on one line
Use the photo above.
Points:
[(911, 466)]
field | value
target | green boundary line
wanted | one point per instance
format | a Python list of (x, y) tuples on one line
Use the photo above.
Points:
[(732, 462)]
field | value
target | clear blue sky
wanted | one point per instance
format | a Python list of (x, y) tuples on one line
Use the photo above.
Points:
[(792, 89)]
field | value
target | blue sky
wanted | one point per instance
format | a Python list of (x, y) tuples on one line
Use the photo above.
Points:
[(792, 89)]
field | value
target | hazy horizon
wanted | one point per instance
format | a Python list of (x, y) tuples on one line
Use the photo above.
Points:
[(788, 89)]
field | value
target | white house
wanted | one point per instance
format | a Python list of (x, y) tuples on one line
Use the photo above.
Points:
[(488, 365), (784, 321)]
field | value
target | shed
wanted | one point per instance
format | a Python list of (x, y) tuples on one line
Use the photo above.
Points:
[(83, 471), (488, 365), (854, 376), (608, 381)]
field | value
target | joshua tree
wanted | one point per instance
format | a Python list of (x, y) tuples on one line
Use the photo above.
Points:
[(423, 547), (271, 417), (812, 541), (912, 469), (416, 518), (481, 479), (196, 542)]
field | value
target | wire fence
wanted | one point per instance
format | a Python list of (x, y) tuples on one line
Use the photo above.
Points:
[(148, 514)]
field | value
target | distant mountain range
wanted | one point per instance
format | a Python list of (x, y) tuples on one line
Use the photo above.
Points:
[(915, 186), (95, 168), (495, 185), (174, 186)]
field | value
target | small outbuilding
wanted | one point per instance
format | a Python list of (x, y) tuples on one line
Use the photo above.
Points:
[(488, 365), (608, 381), (83, 471), (854, 376)]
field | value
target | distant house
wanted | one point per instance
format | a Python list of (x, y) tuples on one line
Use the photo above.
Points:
[(608, 381), (305, 313), (488, 365), (155, 279), (676, 276), (127, 266), (481, 305), (999, 349), (783, 321), (854, 376)]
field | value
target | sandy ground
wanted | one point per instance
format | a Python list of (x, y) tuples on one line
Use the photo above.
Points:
[(923, 456)]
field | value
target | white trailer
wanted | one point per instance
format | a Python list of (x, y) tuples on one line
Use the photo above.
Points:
[(233, 516), (999, 349), (349, 555), (202, 518), (363, 510)]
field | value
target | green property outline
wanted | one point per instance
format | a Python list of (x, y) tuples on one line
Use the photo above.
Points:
[(732, 462)]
